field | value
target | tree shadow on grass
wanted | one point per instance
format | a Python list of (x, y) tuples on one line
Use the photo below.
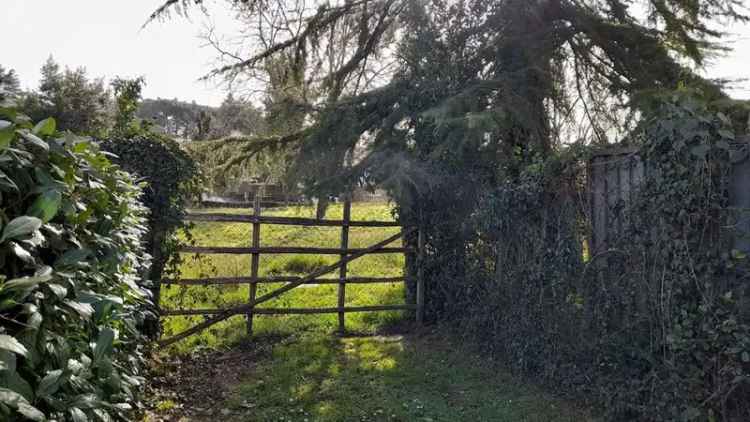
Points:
[(385, 378)]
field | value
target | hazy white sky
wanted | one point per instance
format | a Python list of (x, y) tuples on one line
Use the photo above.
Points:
[(105, 36)]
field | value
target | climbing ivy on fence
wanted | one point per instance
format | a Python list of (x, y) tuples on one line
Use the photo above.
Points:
[(653, 328), (689, 352), (70, 261)]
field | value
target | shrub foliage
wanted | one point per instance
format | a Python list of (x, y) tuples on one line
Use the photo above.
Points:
[(71, 259), (171, 178)]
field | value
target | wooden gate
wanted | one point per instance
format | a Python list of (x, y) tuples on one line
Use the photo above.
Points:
[(346, 254)]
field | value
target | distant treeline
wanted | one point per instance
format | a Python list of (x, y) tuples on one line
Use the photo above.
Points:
[(193, 121), (88, 106), (85, 105)]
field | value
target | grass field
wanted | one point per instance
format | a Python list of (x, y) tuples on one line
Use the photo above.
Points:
[(240, 234)]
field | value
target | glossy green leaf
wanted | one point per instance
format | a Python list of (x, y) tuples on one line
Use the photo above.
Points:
[(46, 205), (8, 360), (72, 257), (67, 205), (7, 133), (31, 413), (6, 182), (19, 227), (35, 140), (58, 290), (17, 402), (11, 344), (86, 401), (77, 415), (50, 383), (104, 344), (46, 127), (21, 253), (24, 282), (84, 309), (102, 415), (14, 381)]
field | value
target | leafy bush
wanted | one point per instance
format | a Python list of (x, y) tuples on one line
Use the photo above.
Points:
[(172, 181), (71, 258)]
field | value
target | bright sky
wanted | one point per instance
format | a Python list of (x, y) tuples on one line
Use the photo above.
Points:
[(105, 36)]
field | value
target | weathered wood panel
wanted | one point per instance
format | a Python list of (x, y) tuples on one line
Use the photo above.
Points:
[(254, 262), (342, 271), (616, 174)]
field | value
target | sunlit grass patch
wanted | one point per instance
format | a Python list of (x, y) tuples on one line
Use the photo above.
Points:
[(387, 378)]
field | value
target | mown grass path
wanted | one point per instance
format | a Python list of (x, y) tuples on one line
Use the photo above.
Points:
[(398, 378), (386, 378)]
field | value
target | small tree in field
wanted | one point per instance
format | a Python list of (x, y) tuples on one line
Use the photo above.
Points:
[(127, 94)]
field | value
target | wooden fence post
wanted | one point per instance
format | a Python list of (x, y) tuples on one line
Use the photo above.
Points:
[(255, 262), (342, 271), (420, 276)]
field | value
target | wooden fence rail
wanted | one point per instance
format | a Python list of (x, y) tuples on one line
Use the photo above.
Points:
[(279, 279), (288, 221), (345, 253), (276, 250), (288, 311)]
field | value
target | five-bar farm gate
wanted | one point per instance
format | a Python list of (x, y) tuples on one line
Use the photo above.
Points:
[(347, 254)]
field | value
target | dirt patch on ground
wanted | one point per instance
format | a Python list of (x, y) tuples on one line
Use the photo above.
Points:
[(195, 387)]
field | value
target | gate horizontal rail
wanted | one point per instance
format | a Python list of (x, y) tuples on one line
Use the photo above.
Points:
[(299, 311), (276, 250), (279, 279), (288, 221)]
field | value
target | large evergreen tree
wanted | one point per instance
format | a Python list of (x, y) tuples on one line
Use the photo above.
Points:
[(488, 79)]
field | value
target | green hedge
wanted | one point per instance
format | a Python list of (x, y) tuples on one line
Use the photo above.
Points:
[(70, 260)]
